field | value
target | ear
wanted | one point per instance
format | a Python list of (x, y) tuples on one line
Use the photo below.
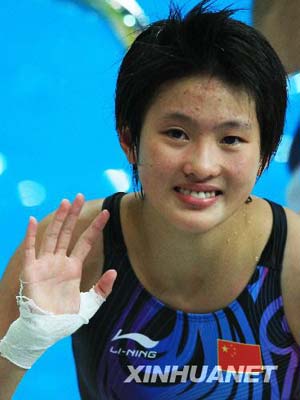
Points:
[(126, 144)]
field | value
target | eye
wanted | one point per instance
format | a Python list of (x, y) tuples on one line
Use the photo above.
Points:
[(232, 140), (176, 134)]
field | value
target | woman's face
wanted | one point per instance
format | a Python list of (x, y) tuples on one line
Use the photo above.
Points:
[(199, 152)]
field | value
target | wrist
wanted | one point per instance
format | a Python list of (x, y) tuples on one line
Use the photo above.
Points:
[(36, 329)]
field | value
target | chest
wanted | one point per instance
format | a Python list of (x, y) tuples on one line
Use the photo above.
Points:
[(205, 277), (204, 287), (147, 350)]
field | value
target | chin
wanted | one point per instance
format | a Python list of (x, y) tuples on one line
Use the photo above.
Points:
[(196, 225)]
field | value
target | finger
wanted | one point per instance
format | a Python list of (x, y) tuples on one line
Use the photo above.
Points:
[(89, 236), (29, 242), (50, 236), (69, 225), (105, 284)]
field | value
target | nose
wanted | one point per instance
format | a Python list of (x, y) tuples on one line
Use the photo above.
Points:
[(202, 161)]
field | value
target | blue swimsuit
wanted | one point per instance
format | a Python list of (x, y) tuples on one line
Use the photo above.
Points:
[(136, 348)]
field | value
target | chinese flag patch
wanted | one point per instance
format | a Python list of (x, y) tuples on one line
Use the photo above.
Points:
[(243, 357)]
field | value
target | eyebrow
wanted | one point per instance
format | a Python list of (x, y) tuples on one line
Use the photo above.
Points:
[(229, 124)]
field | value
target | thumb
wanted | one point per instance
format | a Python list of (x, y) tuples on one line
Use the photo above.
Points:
[(104, 286)]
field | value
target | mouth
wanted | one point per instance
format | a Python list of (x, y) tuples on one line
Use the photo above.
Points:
[(198, 194)]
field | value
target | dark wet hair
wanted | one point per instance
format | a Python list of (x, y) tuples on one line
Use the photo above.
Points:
[(204, 41)]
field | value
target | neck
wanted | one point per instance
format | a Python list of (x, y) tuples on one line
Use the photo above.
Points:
[(189, 257)]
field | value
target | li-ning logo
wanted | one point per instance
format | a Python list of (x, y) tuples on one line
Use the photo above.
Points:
[(139, 338)]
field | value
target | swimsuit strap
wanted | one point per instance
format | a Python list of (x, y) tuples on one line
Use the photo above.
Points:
[(272, 255)]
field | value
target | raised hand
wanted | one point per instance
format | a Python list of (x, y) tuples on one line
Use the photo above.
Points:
[(52, 278)]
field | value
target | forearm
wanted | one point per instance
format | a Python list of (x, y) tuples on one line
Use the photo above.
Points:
[(10, 377), (10, 374), (33, 333), (9, 311)]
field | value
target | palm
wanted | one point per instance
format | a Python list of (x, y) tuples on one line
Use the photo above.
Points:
[(52, 279), (55, 278)]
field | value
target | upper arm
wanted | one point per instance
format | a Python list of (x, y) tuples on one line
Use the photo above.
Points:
[(291, 275), (9, 284)]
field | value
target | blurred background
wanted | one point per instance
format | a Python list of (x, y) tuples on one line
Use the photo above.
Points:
[(57, 73)]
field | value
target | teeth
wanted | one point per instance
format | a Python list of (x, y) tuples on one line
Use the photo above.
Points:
[(198, 195)]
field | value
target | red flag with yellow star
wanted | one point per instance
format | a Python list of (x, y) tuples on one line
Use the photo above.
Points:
[(235, 356)]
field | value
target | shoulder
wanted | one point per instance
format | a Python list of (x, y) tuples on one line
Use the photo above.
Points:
[(88, 213), (291, 274), (93, 264), (293, 220)]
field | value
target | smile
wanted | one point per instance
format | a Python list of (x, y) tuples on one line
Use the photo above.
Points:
[(198, 195)]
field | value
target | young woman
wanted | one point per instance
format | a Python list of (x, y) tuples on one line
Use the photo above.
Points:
[(206, 299)]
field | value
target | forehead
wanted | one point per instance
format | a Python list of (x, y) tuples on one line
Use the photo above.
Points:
[(204, 96)]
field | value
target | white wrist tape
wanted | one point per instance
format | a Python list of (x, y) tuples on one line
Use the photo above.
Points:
[(36, 329)]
